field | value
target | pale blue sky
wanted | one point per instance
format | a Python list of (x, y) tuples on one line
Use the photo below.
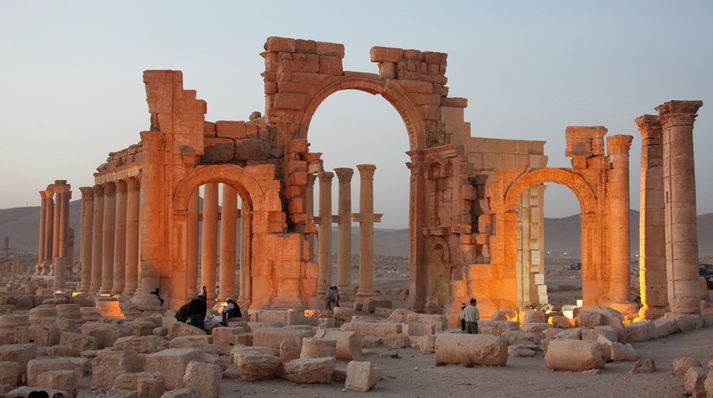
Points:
[(70, 74)]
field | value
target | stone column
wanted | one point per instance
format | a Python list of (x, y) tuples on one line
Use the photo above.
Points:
[(679, 182), (246, 218), (119, 239), (618, 212), (192, 244), (344, 237), (209, 238), (56, 226), (86, 244), (132, 236), (108, 226), (97, 238), (49, 233), (310, 213), (366, 218), (652, 253), (60, 267), (41, 237), (325, 233), (228, 219)]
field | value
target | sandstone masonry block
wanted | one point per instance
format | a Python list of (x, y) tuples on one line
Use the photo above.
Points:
[(471, 349), (172, 363), (361, 376), (310, 370), (204, 378)]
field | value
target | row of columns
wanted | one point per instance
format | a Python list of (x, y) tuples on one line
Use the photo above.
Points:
[(669, 270), (228, 216), (366, 219), (110, 237), (53, 251)]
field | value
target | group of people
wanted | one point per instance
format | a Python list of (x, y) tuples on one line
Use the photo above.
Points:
[(469, 317), (195, 311)]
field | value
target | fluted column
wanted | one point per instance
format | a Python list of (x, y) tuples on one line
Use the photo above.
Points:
[(228, 219), (192, 244), (618, 228), (366, 218), (41, 237), (97, 238), (109, 225), (132, 236), (86, 244), (209, 238), (49, 233), (652, 253), (679, 177), (325, 233), (310, 213), (344, 236), (119, 239)]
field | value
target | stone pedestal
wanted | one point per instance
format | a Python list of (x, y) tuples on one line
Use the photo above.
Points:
[(679, 179), (344, 236), (618, 212), (324, 279), (652, 250)]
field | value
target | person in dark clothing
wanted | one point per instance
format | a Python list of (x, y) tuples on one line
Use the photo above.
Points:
[(197, 310), (204, 294), (182, 313), (231, 310), (156, 292)]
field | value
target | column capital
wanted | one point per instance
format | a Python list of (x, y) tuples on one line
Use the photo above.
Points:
[(47, 194), (366, 171), (325, 176), (619, 144), (132, 183), (120, 185), (344, 174), (109, 188), (87, 193), (649, 126), (98, 190), (678, 113), (310, 179)]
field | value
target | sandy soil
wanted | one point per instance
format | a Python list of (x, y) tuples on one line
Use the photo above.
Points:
[(415, 375)]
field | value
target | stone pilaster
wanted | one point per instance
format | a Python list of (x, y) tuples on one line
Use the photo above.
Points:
[(679, 180), (344, 236), (652, 250)]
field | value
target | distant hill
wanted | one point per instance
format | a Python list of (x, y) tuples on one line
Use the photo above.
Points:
[(561, 234)]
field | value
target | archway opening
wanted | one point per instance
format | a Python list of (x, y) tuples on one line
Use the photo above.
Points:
[(350, 128)]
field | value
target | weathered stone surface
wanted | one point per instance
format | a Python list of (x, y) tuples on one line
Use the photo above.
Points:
[(349, 343), (380, 329), (519, 350), (254, 366), (204, 378), (179, 329), (425, 344), (146, 385), (496, 328), (623, 352), (40, 365), (107, 365), (574, 355), (532, 316), (708, 385), (417, 329), (589, 319), (289, 350), (665, 327), (536, 327), (640, 331), (10, 373), (310, 370), (19, 353), (59, 380), (172, 363), (398, 340), (140, 344), (202, 342), (643, 365), (471, 349), (180, 393), (78, 341), (682, 364), (694, 382), (315, 347), (250, 149), (24, 392), (361, 376), (502, 315), (559, 322), (574, 334), (272, 337)]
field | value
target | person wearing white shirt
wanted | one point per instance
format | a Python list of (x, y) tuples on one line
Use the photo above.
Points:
[(471, 316)]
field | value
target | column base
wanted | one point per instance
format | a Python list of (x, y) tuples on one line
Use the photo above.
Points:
[(651, 312), (625, 307)]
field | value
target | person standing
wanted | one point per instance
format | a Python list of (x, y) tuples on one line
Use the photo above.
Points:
[(461, 318), (471, 316), (204, 294), (197, 310)]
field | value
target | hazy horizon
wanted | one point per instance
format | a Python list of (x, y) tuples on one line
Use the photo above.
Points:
[(73, 90)]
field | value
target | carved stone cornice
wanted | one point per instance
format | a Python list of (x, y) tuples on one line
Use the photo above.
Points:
[(678, 113)]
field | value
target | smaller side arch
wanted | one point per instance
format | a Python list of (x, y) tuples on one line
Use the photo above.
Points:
[(579, 186)]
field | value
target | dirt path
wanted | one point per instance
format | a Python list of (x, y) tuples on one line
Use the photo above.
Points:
[(414, 375)]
